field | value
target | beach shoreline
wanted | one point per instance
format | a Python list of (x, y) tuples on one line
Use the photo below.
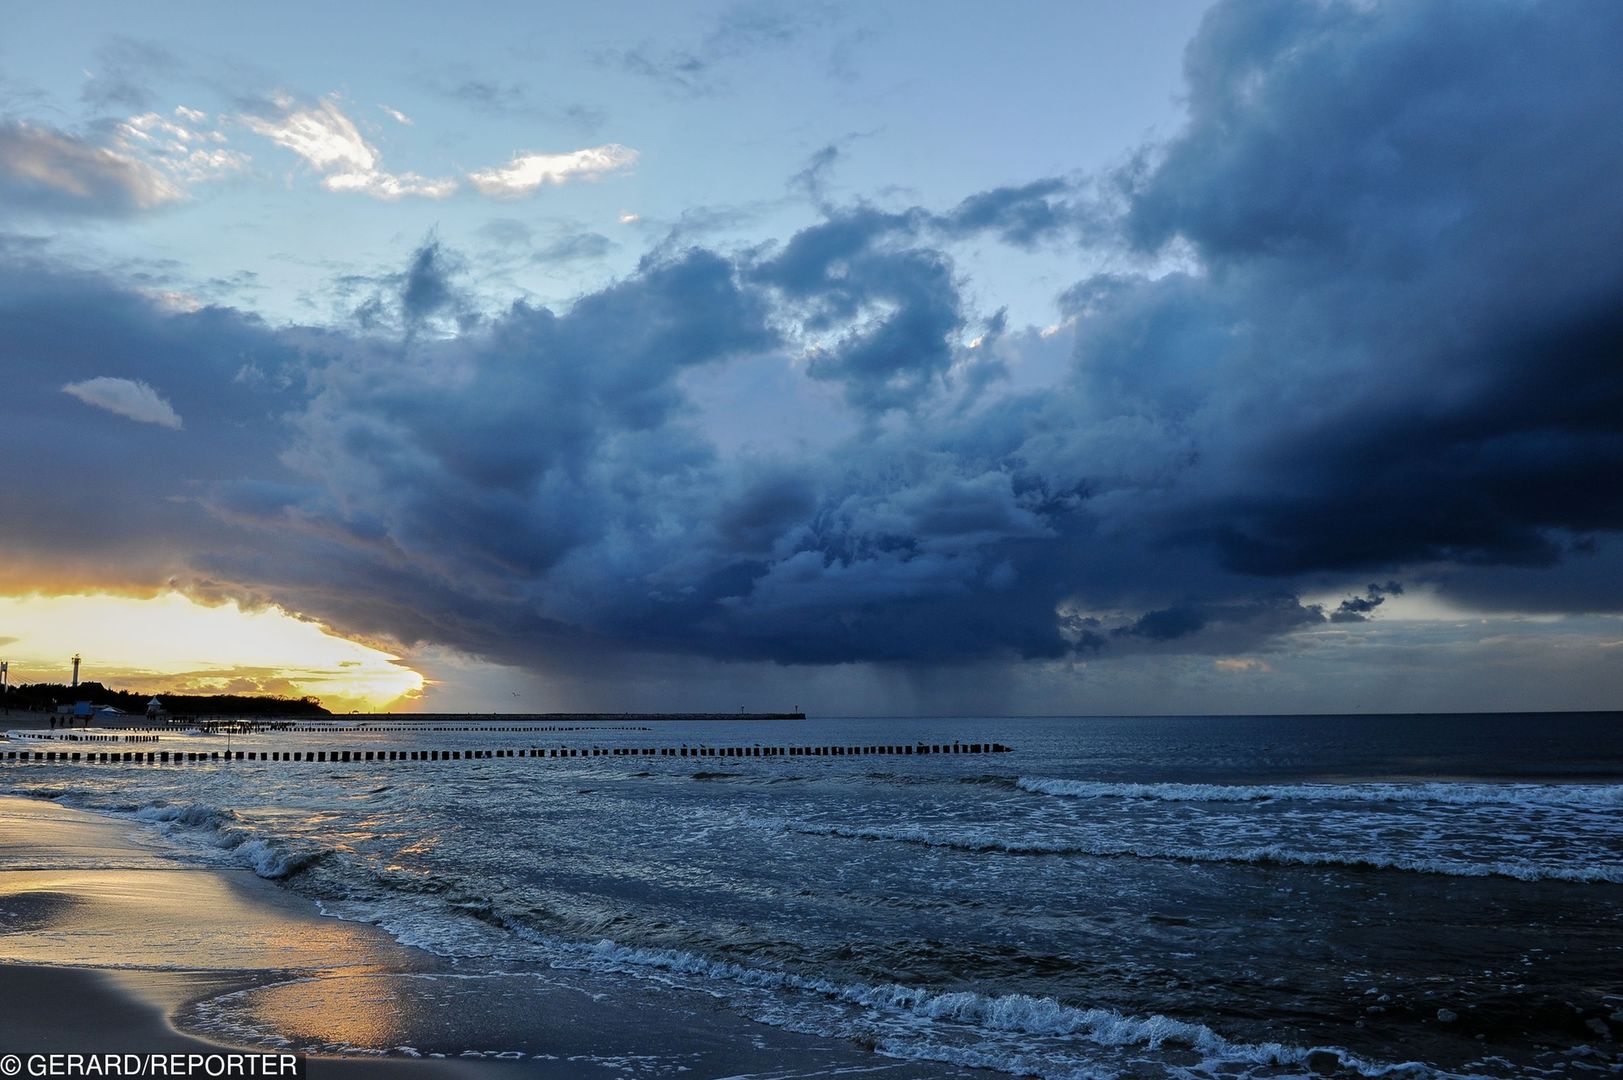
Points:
[(110, 945), (82, 975)]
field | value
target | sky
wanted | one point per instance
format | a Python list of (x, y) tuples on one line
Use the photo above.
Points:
[(1183, 357)]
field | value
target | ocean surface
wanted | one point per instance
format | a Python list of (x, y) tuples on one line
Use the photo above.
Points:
[(1140, 897)]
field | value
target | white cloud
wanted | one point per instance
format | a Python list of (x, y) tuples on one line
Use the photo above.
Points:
[(127, 398), (528, 172), (321, 135), (629, 218), (208, 164), (330, 143), (184, 152), (389, 186), (149, 127), (61, 171)]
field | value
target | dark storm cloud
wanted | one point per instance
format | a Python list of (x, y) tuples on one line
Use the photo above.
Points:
[(1411, 264), (1236, 625), (92, 498), (427, 290), (1360, 608), (1022, 215), (1381, 343), (495, 461), (903, 301)]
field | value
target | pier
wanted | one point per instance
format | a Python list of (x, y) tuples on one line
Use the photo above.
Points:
[(391, 720), (403, 722)]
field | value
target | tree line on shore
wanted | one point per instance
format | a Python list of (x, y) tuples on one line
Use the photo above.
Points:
[(45, 697)]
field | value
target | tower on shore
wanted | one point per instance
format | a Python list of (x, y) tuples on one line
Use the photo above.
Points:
[(75, 669)]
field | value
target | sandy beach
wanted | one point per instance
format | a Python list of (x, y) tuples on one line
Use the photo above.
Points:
[(109, 946), (104, 943)]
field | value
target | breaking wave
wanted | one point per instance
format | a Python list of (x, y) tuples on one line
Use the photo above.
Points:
[(1259, 855), (1000, 1015), (268, 857)]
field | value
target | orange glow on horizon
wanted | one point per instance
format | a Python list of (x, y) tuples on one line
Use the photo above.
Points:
[(171, 642)]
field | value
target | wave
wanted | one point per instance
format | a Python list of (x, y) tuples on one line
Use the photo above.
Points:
[(270, 858), (195, 815), (1004, 1014), (1258, 855), (991, 1031), (1581, 796), (1004, 1032)]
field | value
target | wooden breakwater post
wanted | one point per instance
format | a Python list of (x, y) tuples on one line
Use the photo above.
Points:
[(343, 757)]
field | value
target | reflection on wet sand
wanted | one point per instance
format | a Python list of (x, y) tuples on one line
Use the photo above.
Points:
[(110, 959)]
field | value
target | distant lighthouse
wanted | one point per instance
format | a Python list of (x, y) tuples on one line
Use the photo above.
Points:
[(75, 670)]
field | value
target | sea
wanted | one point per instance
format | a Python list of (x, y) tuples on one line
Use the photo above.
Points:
[(1193, 896)]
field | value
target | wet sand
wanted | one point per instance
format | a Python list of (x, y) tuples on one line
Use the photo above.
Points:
[(109, 946), (104, 942), (47, 1010)]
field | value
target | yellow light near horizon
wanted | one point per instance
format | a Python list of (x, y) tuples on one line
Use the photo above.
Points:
[(170, 641)]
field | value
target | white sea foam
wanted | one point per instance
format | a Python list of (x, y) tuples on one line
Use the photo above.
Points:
[(269, 857), (1006, 1014), (1262, 855), (1582, 796), (197, 815), (272, 861)]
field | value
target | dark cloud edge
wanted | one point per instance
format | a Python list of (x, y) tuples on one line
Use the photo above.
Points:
[(1293, 413)]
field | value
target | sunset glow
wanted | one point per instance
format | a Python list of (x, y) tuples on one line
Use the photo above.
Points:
[(171, 643)]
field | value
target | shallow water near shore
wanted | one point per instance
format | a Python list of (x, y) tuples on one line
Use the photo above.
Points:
[(1136, 897)]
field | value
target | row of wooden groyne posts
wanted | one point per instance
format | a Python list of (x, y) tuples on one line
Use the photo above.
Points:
[(133, 733), (70, 736), (339, 728), (180, 757)]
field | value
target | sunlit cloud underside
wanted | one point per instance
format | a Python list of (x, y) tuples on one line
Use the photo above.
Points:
[(171, 643)]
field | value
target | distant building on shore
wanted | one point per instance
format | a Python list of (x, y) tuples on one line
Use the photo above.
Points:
[(155, 709)]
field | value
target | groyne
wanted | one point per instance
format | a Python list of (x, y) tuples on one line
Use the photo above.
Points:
[(78, 737), (306, 757)]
